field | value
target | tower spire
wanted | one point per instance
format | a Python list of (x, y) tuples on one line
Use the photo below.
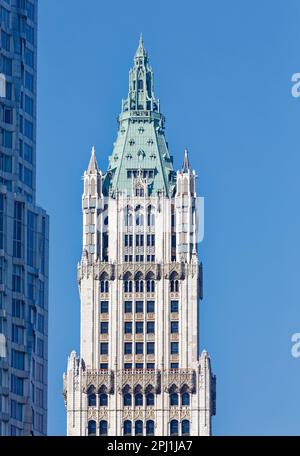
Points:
[(93, 165), (186, 167), (141, 51)]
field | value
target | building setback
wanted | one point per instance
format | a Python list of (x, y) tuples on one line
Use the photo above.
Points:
[(24, 231), (140, 281)]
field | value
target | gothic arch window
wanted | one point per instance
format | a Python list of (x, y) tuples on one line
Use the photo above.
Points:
[(150, 216), (128, 283), (92, 428), (149, 399), (185, 427), (139, 283), (185, 396), (103, 400), (93, 187), (174, 283), (174, 399), (150, 282), (127, 427), (138, 396), (139, 216), (91, 397), (138, 427), (174, 427), (128, 216), (150, 427), (103, 427), (104, 283)]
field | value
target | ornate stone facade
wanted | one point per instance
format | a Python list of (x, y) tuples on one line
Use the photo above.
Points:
[(140, 281)]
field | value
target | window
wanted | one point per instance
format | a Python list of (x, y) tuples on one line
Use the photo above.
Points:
[(104, 348), (29, 34), (8, 116), (150, 348), (17, 335), (150, 399), (28, 129), (174, 348), (18, 230), (128, 327), (104, 307), (127, 427), (5, 41), (7, 139), (185, 399), (128, 306), (7, 66), (39, 373), (150, 283), (139, 192), (28, 81), (150, 366), (127, 286), (31, 223), (174, 365), (128, 241), (91, 398), (5, 16), (28, 153), (8, 90), (150, 306), (139, 366), (92, 428), (39, 397), (150, 240), (139, 348), (29, 57), (150, 427), (185, 427), (17, 385), (104, 327), (139, 306), (128, 348), (17, 308), (104, 366), (139, 327), (174, 306), (138, 427), (174, 427), (150, 327), (104, 285), (139, 240), (173, 399), (17, 279), (139, 283), (30, 10), (16, 411), (103, 427), (40, 347), (18, 359), (30, 286), (29, 105), (28, 177), (103, 400), (41, 323), (128, 366), (127, 400), (174, 327)]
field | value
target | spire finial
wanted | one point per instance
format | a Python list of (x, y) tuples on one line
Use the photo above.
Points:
[(141, 51), (186, 162), (93, 165)]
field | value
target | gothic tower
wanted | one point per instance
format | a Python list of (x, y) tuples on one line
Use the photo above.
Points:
[(140, 281)]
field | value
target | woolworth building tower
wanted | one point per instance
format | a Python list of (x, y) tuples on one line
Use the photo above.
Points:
[(139, 371)]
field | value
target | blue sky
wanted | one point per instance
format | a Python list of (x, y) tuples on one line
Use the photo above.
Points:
[(222, 72)]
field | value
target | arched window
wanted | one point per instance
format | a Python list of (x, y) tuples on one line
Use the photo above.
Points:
[(139, 216), (150, 283), (174, 283), (185, 399), (127, 400), (174, 427), (138, 428), (92, 428), (150, 399), (150, 216), (150, 427), (127, 427), (128, 216), (103, 400), (173, 399), (128, 283), (139, 283), (185, 427), (103, 427), (138, 399), (104, 284), (91, 397)]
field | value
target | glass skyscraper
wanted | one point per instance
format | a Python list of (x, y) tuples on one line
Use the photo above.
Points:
[(24, 231)]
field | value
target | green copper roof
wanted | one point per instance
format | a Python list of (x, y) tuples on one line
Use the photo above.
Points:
[(140, 150)]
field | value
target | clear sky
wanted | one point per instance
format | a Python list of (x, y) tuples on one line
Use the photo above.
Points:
[(222, 72)]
